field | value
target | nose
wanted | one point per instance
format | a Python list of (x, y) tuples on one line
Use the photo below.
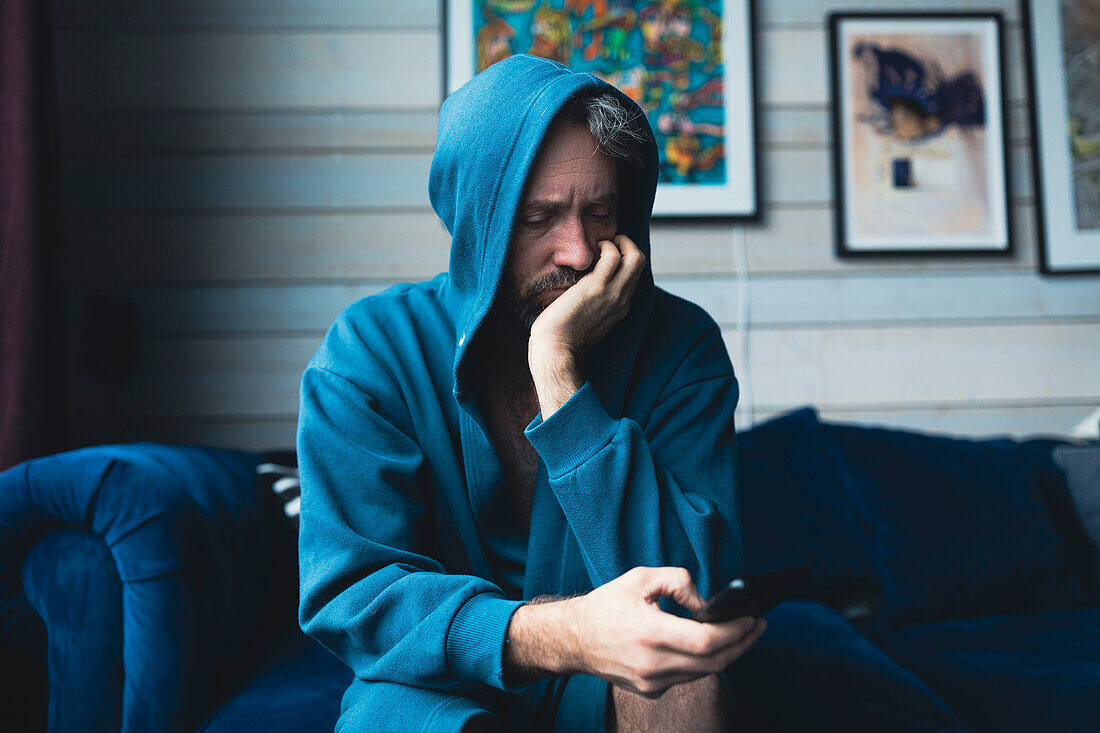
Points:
[(573, 248)]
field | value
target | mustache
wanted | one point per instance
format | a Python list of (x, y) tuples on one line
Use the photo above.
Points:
[(564, 277)]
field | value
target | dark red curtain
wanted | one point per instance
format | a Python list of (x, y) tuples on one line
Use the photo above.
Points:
[(32, 308)]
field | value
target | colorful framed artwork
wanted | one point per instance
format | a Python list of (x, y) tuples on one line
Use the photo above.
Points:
[(687, 63), (919, 144), (1064, 42)]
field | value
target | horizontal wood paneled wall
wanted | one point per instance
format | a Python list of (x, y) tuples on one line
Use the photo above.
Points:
[(240, 170)]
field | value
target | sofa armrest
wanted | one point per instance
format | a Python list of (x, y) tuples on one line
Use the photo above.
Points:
[(71, 581), (200, 564)]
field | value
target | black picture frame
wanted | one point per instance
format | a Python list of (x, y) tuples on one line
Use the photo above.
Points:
[(1064, 249), (901, 222)]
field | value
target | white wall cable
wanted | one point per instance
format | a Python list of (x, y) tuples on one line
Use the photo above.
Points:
[(744, 312)]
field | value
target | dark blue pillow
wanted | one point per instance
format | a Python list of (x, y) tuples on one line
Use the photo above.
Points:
[(960, 528), (794, 508), (812, 671)]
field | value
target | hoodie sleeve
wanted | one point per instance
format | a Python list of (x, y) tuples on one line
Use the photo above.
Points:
[(367, 591), (662, 495)]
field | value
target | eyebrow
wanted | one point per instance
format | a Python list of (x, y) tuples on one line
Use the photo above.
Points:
[(608, 199)]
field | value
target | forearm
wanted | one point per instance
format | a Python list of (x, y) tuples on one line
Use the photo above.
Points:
[(612, 490)]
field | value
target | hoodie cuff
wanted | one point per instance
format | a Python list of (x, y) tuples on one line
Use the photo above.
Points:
[(576, 431), (475, 640)]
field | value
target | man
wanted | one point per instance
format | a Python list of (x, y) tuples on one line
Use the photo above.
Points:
[(540, 423)]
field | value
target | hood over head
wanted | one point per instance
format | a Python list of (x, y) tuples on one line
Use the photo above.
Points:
[(490, 131)]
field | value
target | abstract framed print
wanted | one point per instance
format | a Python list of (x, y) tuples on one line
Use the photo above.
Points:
[(1064, 42), (919, 142), (687, 63)]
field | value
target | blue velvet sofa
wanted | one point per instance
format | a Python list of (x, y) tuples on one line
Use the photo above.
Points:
[(956, 588)]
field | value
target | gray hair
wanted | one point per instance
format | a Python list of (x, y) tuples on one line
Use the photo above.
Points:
[(621, 133)]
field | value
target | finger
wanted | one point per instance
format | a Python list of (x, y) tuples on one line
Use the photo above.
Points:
[(630, 251), (689, 596), (673, 667), (633, 262), (680, 662), (728, 656), (608, 263), (687, 636), (674, 583), (625, 244), (738, 626), (625, 280)]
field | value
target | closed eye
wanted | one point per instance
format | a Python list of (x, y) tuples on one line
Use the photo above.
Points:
[(600, 212)]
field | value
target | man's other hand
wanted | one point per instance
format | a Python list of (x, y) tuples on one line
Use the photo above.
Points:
[(618, 632), (579, 318)]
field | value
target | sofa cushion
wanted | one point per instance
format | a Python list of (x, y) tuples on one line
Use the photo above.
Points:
[(959, 526), (1031, 671), (794, 508), (811, 670)]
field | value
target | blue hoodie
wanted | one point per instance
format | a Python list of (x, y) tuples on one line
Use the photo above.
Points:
[(412, 562)]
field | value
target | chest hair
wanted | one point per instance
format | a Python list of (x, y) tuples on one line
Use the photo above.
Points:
[(511, 404)]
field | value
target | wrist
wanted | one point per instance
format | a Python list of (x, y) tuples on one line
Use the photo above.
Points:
[(548, 350), (542, 639), (556, 374)]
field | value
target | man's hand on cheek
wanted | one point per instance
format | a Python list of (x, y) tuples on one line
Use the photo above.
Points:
[(584, 313), (579, 318)]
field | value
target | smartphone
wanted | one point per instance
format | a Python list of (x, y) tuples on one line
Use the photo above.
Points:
[(754, 595)]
